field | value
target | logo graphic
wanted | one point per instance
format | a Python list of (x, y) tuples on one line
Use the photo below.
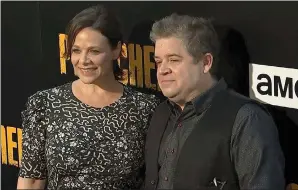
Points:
[(11, 145), (274, 85)]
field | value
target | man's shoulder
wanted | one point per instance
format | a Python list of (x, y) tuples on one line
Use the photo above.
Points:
[(252, 116), (245, 108), (250, 106), (252, 113), (239, 96)]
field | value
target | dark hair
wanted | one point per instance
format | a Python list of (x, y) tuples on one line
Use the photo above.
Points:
[(101, 19), (197, 33)]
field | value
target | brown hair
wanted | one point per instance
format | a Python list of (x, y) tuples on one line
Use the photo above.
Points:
[(101, 19)]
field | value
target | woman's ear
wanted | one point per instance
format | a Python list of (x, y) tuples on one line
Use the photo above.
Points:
[(117, 51)]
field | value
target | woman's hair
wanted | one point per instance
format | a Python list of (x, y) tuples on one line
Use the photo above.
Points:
[(101, 19)]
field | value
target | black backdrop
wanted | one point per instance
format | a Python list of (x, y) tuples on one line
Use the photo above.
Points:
[(30, 54)]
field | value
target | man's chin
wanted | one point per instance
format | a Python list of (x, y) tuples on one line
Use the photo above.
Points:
[(171, 96)]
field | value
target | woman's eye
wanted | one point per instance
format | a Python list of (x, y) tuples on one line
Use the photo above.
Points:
[(94, 51), (75, 50)]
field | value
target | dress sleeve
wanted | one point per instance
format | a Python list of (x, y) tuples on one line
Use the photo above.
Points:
[(33, 162)]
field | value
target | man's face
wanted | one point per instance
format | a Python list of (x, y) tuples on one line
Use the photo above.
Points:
[(178, 73)]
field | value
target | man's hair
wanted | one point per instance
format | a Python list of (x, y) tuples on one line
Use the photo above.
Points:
[(197, 34)]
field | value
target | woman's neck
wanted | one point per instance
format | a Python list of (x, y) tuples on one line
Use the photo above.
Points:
[(101, 86)]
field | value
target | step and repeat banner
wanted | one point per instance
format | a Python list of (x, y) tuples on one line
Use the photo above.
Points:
[(259, 60)]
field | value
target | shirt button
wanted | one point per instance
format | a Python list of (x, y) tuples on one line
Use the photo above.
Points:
[(152, 182), (179, 125), (172, 151), (166, 179)]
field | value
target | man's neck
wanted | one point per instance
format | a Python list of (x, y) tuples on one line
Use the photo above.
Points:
[(197, 92)]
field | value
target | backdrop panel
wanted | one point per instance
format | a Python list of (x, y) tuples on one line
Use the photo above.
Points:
[(33, 37)]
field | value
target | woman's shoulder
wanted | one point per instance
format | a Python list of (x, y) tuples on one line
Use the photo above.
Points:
[(147, 96), (42, 96), (57, 91)]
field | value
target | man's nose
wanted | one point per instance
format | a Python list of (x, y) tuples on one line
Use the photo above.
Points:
[(163, 69)]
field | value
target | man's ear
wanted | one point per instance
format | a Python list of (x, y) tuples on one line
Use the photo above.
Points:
[(207, 62)]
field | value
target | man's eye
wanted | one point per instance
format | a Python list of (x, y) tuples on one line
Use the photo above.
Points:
[(158, 63)]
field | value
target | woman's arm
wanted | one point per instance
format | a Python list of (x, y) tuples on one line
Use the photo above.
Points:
[(27, 183), (33, 169)]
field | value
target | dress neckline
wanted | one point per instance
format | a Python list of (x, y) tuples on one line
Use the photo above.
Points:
[(118, 101)]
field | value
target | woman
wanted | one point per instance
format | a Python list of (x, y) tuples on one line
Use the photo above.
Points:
[(88, 134)]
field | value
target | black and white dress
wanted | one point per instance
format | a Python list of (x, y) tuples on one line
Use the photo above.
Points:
[(75, 146)]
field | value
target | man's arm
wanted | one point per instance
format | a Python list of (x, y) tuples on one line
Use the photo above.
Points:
[(256, 151)]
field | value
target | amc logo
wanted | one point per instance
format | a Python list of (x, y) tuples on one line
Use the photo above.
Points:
[(274, 85)]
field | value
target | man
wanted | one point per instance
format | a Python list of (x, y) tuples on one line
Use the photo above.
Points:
[(205, 135)]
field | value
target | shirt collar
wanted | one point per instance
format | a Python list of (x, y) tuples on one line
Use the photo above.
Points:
[(203, 101)]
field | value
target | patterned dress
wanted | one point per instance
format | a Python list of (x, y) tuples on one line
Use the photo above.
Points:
[(75, 146)]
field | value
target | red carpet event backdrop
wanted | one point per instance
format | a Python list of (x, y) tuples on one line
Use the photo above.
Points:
[(34, 41)]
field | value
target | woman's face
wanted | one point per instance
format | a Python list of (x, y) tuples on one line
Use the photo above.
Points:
[(92, 56)]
